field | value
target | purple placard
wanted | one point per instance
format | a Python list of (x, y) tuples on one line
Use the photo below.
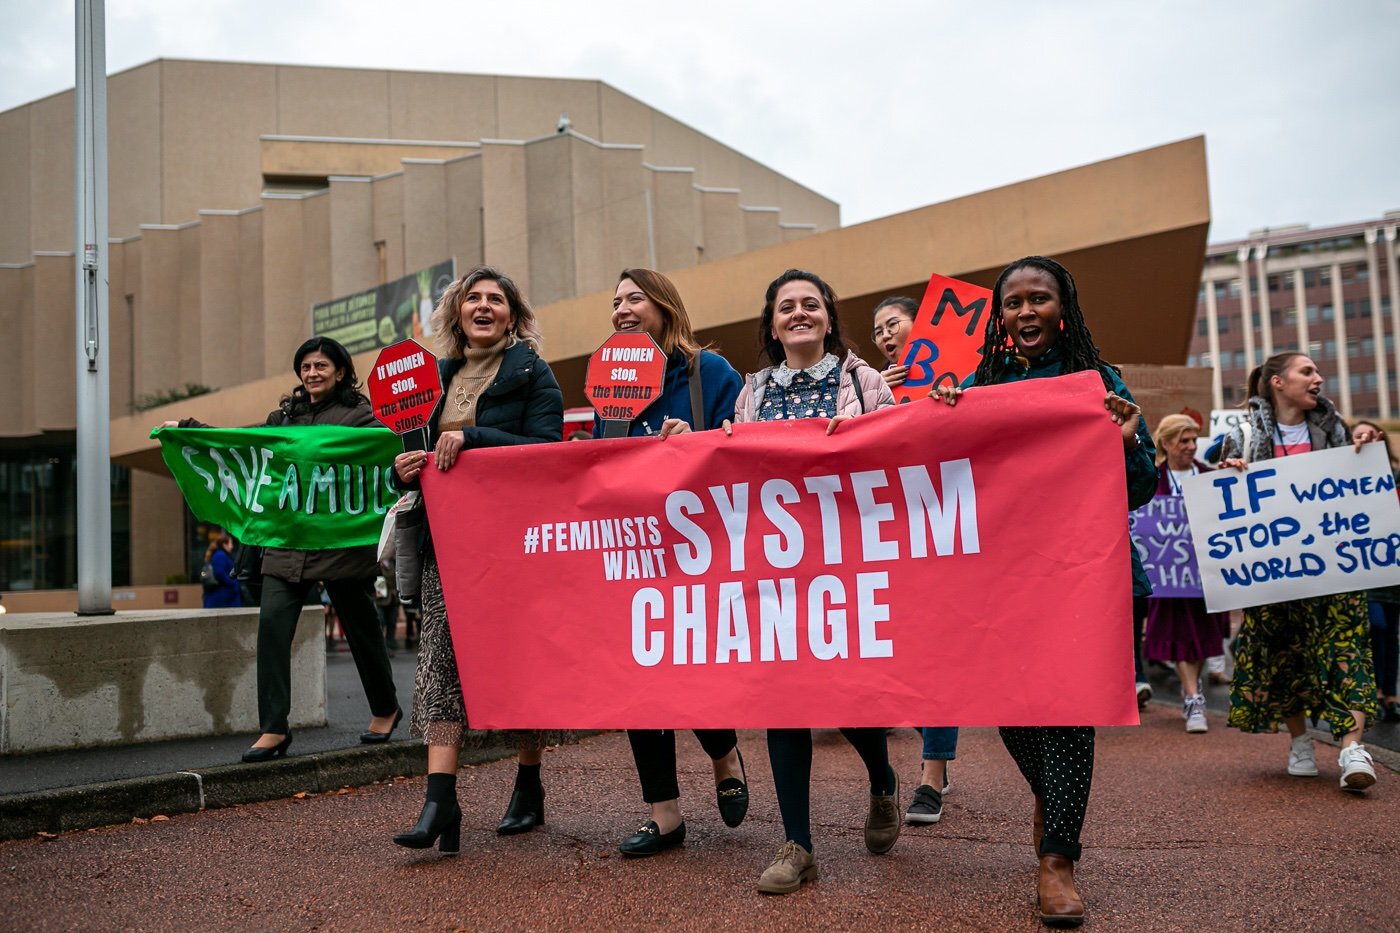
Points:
[(1162, 537)]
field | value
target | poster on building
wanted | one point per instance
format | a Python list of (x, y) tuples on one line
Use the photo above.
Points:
[(384, 315)]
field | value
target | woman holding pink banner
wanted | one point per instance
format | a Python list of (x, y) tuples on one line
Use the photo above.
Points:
[(1040, 333), (1179, 629), (1305, 656), (894, 321), (814, 374), (698, 393), (497, 392)]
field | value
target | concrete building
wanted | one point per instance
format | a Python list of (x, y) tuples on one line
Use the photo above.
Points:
[(1327, 292), (241, 195)]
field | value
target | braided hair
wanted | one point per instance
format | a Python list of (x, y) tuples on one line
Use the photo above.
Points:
[(999, 356)]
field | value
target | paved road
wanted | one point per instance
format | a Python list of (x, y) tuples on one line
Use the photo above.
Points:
[(1184, 832)]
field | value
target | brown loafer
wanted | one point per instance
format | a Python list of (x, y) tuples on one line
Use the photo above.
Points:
[(1038, 825), (1060, 904)]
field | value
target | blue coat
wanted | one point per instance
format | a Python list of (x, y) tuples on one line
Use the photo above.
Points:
[(1139, 465), (229, 594), (719, 385)]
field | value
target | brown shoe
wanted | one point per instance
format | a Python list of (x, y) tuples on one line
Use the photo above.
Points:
[(1060, 904), (883, 822), (790, 868), (1038, 825)]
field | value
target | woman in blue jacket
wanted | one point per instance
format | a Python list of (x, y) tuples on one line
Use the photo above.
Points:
[(1040, 333), (496, 392), (647, 301), (219, 557)]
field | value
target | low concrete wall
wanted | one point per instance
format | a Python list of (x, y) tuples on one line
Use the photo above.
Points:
[(124, 598), (70, 682)]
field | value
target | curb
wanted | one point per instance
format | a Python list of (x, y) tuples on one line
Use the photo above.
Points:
[(89, 805)]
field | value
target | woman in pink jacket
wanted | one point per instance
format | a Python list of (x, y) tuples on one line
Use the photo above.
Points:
[(815, 374)]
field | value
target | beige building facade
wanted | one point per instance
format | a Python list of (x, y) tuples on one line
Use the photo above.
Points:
[(243, 194)]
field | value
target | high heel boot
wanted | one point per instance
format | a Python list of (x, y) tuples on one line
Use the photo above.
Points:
[(440, 821), (526, 811)]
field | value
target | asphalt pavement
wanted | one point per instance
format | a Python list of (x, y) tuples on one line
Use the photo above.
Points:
[(1184, 832)]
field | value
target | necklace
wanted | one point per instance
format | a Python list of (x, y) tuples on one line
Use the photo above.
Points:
[(463, 399)]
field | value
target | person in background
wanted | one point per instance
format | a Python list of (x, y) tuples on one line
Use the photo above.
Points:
[(1383, 606), (814, 373), (328, 393), (648, 301), (894, 321), (1303, 657), (219, 557), (497, 392), (1179, 629), (386, 598)]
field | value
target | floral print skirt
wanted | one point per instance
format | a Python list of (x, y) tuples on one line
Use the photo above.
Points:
[(1307, 657)]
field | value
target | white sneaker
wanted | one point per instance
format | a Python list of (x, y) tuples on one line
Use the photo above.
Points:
[(1302, 761), (1144, 693), (1357, 771), (1194, 709)]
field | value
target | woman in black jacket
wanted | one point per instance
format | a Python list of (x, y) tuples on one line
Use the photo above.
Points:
[(329, 393), (497, 392)]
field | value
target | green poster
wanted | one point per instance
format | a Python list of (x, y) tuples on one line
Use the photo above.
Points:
[(384, 315), (312, 487)]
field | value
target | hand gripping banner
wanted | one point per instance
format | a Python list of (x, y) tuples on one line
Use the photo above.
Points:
[(314, 487), (924, 565)]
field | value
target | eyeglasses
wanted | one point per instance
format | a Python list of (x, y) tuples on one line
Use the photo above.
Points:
[(891, 328)]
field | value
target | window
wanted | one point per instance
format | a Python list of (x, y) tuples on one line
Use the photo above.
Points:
[(1224, 322), (1290, 317), (1191, 359), (1389, 343), (1329, 349), (1233, 288), (1254, 319), (1310, 278), (1205, 360), (1354, 382), (1274, 318), (1363, 273), (1369, 382), (1368, 346), (1201, 327), (1201, 293), (1312, 314), (1220, 291), (1239, 359), (1349, 310), (1324, 275), (1327, 313), (1315, 349)]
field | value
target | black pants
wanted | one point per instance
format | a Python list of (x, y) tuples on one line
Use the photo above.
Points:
[(277, 623), (1139, 623), (654, 751), (790, 754), (1058, 763)]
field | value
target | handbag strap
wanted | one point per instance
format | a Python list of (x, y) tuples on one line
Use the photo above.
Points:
[(697, 395)]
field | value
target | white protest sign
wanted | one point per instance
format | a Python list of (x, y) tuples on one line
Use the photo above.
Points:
[(1292, 527), (1224, 420)]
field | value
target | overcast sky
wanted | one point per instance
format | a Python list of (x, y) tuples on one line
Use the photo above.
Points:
[(881, 106)]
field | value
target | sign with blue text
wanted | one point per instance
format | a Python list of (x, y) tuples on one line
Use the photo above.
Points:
[(1292, 527)]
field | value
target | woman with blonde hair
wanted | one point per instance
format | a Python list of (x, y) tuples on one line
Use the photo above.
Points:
[(497, 392), (1179, 629), (698, 393)]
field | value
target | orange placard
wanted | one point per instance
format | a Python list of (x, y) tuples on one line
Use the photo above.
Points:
[(945, 344)]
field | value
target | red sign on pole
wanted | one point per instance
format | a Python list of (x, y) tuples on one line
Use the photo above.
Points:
[(625, 375), (945, 344), (404, 386)]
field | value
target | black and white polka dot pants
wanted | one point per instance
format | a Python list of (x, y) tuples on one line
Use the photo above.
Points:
[(1058, 763)]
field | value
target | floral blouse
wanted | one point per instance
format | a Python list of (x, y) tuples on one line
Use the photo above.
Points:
[(802, 393)]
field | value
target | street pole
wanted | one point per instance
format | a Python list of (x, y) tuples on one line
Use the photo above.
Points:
[(94, 453)]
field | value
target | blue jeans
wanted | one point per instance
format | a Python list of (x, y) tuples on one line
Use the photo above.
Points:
[(940, 743)]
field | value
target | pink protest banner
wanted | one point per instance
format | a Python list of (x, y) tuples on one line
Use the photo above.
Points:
[(945, 343), (924, 564)]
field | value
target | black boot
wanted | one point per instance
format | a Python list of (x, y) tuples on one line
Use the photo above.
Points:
[(440, 821), (526, 810)]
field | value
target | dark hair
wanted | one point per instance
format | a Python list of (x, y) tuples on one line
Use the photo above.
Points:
[(907, 305), (999, 355), (1260, 381), (347, 390), (769, 347)]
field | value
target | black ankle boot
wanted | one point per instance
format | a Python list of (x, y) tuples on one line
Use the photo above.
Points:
[(526, 811), (440, 823)]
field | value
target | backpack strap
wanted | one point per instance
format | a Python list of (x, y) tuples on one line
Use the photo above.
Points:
[(860, 392), (697, 396)]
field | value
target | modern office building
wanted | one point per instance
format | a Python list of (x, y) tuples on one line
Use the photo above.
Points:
[(243, 195), (1328, 292)]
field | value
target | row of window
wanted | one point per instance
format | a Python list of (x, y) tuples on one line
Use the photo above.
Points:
[(1288, 317), (1316, 277), (1356, 348)]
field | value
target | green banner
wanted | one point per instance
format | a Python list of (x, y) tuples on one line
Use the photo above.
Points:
[(312, 487)]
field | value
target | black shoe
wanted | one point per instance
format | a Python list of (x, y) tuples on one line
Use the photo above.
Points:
[(526, 811), (370, 737), (927, 806), (1392, 713), (437, 823), (256, 754), (732, 795), (649, 840)]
